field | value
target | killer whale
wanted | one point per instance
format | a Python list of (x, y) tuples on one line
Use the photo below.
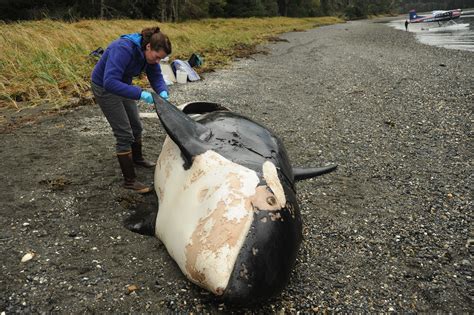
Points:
[(228, 213)]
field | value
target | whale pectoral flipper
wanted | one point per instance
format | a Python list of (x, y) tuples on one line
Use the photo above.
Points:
[(306, 173), (190, 136)]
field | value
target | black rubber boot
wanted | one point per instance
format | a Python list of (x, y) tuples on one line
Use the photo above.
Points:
[(138, 156), (128, 171)]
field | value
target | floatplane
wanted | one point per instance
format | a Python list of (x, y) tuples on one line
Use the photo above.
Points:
[(442, 17)]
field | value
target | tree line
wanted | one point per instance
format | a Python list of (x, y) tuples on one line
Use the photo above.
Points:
[(181, 10), (423, 5)]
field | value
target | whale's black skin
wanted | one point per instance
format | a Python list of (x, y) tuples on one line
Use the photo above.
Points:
[(266, 259), (194, 138), (245, 142), (268, 255)]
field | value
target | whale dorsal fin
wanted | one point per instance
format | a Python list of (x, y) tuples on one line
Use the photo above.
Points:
[(190, 136), (306, 173)]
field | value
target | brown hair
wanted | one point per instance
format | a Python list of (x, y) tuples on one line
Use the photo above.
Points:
[(156, 39)]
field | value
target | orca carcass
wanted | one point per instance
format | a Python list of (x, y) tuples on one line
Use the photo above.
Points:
[(228, 213)]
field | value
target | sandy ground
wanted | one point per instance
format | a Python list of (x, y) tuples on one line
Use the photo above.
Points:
[(390, 230)]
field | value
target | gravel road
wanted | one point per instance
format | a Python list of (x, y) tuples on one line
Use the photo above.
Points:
[(390, 230)]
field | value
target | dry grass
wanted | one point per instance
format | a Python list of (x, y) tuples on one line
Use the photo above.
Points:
[(48, 61)]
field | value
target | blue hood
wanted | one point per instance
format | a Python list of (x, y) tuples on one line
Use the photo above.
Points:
[(136, 38)]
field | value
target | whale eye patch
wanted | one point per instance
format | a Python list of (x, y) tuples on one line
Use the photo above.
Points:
[(270, 174), (264, 199)]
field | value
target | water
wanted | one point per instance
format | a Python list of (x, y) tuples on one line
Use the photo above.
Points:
[(451, 36)]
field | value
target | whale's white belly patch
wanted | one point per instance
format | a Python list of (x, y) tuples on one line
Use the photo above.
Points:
[(204, 214)]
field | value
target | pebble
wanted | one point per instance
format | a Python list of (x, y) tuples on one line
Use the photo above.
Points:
[(131, 288), (27, 257)]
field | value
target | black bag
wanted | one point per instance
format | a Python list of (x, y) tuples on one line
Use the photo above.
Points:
[(97, 53), (195, 60)]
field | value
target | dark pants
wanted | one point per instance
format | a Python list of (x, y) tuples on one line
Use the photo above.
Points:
[(122, 115)]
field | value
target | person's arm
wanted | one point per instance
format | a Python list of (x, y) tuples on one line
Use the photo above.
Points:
[(155, 77), (119, 58)]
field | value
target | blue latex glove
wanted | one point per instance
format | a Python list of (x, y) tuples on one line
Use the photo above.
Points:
[(147, 97), (164, 95)]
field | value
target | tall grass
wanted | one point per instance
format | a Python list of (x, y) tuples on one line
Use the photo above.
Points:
[(48, 61)]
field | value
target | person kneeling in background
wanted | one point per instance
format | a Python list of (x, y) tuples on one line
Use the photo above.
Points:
[(112, 86)]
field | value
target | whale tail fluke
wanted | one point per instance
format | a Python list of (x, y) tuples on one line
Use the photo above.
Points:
[(306, 173)]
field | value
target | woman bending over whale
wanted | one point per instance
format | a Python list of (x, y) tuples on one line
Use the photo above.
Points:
[(125, 58)]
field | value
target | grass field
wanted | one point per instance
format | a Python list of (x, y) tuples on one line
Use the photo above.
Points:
[(48, 61)]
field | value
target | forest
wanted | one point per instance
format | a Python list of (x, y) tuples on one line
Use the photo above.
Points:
[(181, 10)]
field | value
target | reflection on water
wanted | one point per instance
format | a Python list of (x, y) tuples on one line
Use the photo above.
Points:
[(449, 35)]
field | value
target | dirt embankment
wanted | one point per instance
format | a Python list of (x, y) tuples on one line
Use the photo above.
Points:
[(391, 230)]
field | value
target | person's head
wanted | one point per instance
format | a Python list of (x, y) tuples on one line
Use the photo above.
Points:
[(155, 45)]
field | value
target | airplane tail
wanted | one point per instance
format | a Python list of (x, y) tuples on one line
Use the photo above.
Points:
[(412, 14)]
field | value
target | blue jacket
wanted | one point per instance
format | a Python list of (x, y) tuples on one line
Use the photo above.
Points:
[(123, 60)]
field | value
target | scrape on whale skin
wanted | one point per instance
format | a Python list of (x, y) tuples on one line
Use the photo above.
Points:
[(207, 232)]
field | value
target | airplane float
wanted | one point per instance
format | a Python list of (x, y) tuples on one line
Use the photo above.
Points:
[(436, 16)]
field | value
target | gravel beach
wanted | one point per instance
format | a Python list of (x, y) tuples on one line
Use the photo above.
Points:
[(390, 230)]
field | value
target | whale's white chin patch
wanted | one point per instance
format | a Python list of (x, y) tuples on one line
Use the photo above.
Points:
[(205, 213)]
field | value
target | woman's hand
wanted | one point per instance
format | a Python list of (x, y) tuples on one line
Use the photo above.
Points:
[(164, 95), (147, 97)]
